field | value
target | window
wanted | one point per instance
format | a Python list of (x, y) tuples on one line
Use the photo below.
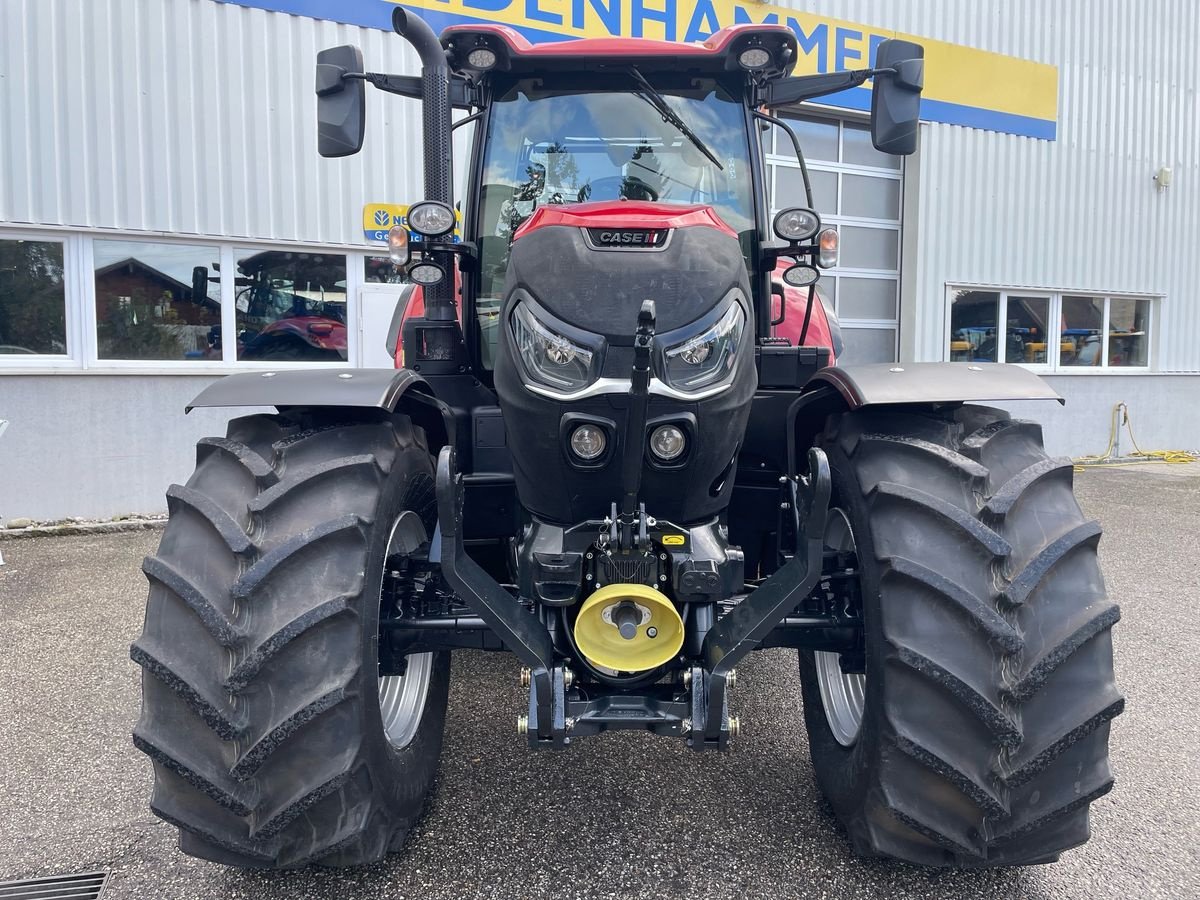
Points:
[(291, 306), (381, 270), (33, 299), (156, 301), (1061, 332), (859, 191)]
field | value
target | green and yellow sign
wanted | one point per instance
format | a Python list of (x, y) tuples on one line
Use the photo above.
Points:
[(963, 86)]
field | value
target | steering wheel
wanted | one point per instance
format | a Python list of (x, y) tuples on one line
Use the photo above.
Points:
[(617, 187)]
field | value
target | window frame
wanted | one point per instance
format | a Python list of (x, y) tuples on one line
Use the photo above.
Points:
[(777, 153), (1053, 365), (92, 358), (73, 328), (355, 279), (80, 291)]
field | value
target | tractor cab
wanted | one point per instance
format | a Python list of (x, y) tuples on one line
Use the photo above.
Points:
[(632, 131)]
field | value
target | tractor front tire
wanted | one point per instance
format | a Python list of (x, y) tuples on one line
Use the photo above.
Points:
[(260, 687), (979, 733)]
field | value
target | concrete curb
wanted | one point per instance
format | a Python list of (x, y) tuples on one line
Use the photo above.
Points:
[(70, 528)]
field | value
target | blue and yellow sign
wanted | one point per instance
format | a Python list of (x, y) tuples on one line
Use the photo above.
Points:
[(963, 86), (378, 218)]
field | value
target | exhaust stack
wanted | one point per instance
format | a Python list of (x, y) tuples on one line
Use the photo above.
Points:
[(439, 160)]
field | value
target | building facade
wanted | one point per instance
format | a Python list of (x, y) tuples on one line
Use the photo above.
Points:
[(165, 218)]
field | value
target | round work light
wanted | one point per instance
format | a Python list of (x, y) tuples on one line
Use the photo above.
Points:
[(588, 442), (801, 275), (797, 224), (481, 58), (426, 274), (754, 58), (430, 218), (668, 442)]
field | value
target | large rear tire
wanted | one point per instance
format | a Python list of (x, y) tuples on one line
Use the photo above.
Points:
[(260, 691), (982, 723)]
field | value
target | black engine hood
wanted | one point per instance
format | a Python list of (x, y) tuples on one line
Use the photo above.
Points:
[(587, 277)]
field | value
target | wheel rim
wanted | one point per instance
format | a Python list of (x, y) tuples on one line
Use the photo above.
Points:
[(402, 697), (842, 695)]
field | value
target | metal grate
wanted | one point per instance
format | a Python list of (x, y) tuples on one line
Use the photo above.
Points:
[(84, 886)]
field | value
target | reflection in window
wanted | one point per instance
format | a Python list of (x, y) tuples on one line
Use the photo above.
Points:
[(156, 301), (818, 138), (1025, 331), (1064, 332), (291, 306), (33, 317), (1082, 331), (858, 150), (973, 319), (381, 270), (1128, 325)]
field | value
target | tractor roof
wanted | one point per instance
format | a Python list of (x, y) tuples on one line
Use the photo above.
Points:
[(717, 54)]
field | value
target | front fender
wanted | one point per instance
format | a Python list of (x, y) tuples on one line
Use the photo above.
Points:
[(394, 390), (935, 382), (839, 389)]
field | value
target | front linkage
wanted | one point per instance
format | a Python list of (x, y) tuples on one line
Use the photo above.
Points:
[(696, 706)]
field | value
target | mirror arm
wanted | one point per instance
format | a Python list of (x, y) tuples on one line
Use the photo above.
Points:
[(461, 94), (808, 87)]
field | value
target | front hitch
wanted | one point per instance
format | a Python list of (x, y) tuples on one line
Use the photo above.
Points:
[(745, 626), (702, 717)]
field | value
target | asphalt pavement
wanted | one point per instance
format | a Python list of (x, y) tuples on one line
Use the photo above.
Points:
[(619, 815)]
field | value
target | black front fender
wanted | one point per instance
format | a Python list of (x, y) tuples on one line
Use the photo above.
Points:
[(936, 382), (394, 390), (846, 388)]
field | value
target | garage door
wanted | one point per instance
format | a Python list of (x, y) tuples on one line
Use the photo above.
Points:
[(858, 190)]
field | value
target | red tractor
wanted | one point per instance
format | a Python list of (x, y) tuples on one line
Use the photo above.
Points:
[(607, 455)]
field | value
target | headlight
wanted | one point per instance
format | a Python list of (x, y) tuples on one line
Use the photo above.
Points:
[(797, 224), (426, 273), (550, 358), (430, 218), (706, 358)]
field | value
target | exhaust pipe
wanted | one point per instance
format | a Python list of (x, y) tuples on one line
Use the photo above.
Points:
[(439, 159)]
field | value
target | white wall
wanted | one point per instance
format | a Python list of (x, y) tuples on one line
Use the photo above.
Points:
[(189, 116), (1162, 410), (98, 445)]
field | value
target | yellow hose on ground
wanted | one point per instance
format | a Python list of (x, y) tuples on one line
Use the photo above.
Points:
[(1120, 416)]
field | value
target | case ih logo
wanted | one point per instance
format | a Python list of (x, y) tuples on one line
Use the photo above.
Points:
[(627, 238)]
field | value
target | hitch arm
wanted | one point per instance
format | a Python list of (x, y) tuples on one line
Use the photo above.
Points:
[(513, 624), (744, 627)]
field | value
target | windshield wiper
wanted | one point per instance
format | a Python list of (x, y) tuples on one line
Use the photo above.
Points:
[(659, 102)]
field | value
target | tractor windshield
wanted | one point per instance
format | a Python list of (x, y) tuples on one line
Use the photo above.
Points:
[(607, 142)]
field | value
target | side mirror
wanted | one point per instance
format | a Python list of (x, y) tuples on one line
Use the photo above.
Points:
[(896, 98), (341, 101)]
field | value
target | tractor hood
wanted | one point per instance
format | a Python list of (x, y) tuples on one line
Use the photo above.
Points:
[(577, 277), (592, 264)]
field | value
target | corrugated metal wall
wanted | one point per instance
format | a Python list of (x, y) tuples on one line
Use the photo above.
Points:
[(1081, 212), (188, 116), (191, 116)]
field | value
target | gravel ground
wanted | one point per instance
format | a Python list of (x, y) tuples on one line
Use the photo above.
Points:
[(615, 816)]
